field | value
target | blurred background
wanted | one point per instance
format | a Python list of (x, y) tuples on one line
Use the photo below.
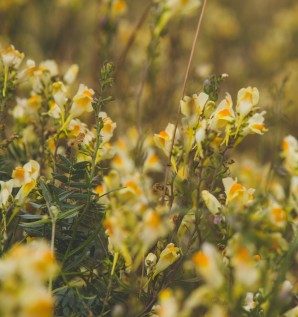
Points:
[(255, 42)]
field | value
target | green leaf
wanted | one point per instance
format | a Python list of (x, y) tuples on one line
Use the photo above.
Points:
[(83, 245), (46, 194), (78, 185), (70, 213), (65, 160), (61, 178), (64, 195), (31, 217), (81, 165), (38, 223), (63, 168)]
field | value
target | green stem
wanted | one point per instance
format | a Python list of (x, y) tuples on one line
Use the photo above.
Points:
[(6, 69), (52, 250)]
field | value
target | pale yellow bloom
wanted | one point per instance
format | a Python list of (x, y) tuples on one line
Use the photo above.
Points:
[(108, 128), (54, 111), (290, 154), (76, 127), (167, 257), (152, 228), (168, 304), (246, 265), (71, 74), (22, 175), (164, 139), (26, 178), (5, 192), (36, 303), (246, 99), (122, 163), (12, 57), (200, 136), (59, 93), (211, 202), (224, 114), (49, 66), (152, 162), (208, 263), (249, 303), (277, 216), (255, 124), (19, 111), (150, 262), (30, 265), (82, 101), (34, 103), (236, 192), (193, 105), (119, 7)]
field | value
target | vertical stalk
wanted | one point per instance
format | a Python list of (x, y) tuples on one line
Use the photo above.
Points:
[(169, 165)]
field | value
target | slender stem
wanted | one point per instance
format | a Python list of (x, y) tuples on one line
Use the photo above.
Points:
[(131, 40), (6, 70), (139, 95), (52, 250), (168, 166)]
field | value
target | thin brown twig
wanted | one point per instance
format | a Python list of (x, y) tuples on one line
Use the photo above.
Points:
[(169, 165), (132, 38)]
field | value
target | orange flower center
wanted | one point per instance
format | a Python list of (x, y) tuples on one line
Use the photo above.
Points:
[(201, 259)]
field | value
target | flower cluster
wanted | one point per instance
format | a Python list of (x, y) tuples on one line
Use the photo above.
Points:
[(118, 226), (23, 272)]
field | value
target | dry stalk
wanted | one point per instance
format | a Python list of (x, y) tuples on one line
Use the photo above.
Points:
[(169, 165)]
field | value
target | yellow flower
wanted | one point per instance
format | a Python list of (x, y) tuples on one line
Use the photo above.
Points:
[(25, 177), (54, 111), (246, 99), (31, 265), (152, 228), (245, 263), (150, 262), (167, 257), (211, 202), (36, 303), (255, 124), (119, 7), (237, 193), (34, 103), (163, 140), (168, 304), (71, 74), (76, 127), (152, 162), (290, 154), (5, 192), (207, 262), (200, 136), (12, 57), (59, 93), (82, 101), (122, 163), (278, 216), (108, 127), (193, 105), (223, 114)]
